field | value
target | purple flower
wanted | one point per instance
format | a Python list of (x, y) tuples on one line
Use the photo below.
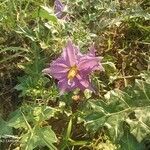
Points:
[(72, 68), (58, 9)]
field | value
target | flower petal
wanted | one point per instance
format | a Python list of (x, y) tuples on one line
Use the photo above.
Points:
[(92, 50), (70, 54), (65, 86), (58, 8), (71, 57), (89, 64), (83, 82), (58, 69)]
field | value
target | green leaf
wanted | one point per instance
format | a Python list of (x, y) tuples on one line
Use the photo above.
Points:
[(30, 140), (42, 113), (39, 137), (129, 142), (26, 32), (87, 93), (5, 129), (21, 118), (140, 126), (14, 49), (118, 107), (139, 95), (47, 13), (48, 137), (109, 67), (68, 133), (17, 120)]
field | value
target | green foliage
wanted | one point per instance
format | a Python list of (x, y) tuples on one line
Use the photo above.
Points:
[(131, 106), (116, 116), (43, 136), (31, 121), (128, 141), (5, 129)]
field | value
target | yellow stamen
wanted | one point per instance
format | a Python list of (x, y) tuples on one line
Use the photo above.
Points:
[(72, 72)]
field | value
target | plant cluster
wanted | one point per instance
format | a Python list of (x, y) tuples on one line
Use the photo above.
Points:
[(113, 116)]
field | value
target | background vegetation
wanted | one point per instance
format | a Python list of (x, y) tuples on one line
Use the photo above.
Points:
[(32, 113)]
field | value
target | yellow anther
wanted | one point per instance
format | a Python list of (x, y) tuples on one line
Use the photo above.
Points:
[(72, 72)]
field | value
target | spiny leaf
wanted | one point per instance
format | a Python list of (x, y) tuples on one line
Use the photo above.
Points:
[(48, 137), (38, 137), (129, 142), (140, 126), (112, 112)]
